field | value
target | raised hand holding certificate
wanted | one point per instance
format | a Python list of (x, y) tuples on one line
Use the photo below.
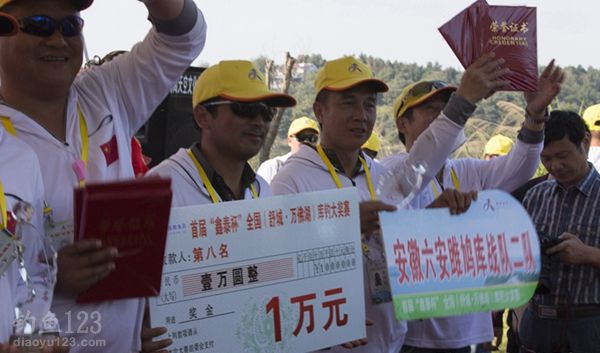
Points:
[(508, 31), (279, 274)]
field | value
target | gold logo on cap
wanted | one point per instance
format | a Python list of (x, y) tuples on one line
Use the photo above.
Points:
[(354, 67), (253, 75)]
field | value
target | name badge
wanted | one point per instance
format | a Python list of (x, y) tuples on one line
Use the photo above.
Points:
[(7, 251), (60, 233), (374, 258)]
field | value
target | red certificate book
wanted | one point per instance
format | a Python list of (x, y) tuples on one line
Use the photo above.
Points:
[(132, 216), (508, 31)]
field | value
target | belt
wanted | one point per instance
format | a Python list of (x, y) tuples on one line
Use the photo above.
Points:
[(562, 311)]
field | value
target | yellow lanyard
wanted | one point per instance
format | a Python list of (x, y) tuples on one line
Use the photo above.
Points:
[(335, 177), (455, 182), (8, 125), (208, 185), (83, 132), (3, 208)]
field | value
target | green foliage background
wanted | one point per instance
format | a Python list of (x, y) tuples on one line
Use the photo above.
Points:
[(501, 113)]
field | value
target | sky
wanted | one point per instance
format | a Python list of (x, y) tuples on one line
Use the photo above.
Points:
[(397, 30)]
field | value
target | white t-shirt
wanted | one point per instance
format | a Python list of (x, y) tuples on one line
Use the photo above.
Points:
[(21, 178), (594, 156), (270, 167), (116, 99), (505, 173), (188, 188)]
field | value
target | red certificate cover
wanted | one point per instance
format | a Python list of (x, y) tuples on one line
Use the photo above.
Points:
[(132, 216), (511, 33), (460, 33), (508, 31)]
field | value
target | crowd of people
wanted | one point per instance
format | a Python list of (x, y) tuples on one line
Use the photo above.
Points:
[(62, 128)]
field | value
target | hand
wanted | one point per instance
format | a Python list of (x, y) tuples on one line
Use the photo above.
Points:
[(56, 349), (360, 342), (369, 216), (8, 348), (548, 88), (483, 78), (571, 250), (83, 264), (149, 333), (458, 202)]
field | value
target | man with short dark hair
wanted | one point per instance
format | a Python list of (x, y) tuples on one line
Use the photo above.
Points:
[(566, 318), (80, 127)]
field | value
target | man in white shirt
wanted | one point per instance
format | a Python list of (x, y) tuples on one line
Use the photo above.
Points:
[(302, 130), (233, 109), (81, 128), (418, 107), (592, 118), (345, 107)]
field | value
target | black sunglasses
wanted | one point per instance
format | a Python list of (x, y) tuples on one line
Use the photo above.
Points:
[(248, 110), (45, 26), (309, 138)]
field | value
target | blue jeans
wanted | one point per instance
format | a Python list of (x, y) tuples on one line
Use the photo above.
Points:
[(541, 335)]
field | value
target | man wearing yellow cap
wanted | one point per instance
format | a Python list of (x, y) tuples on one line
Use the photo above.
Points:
[(80, 127), (592, 118), (302, 130), (372, 146), (416, 109), (233, 108), (345, 107), (498, 145)]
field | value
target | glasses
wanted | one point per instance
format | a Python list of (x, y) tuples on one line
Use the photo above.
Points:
[(247, 110), (45, 26), (308, 138), (421, 89)]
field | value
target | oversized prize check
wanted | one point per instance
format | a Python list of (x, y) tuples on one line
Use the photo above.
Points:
[(279, 274), (442, 265)]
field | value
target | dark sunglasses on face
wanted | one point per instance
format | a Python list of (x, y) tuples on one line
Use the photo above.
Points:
[(45, 26), (309, 138), (248, 110)]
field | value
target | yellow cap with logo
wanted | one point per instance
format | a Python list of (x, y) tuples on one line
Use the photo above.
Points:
[(345, 73), (9, 25), (498, 145), (417, 93), (592, 117), (373, 143), (237, 80), (302, 123)]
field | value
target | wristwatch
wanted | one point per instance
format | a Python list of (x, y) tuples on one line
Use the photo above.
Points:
[(530, 119)]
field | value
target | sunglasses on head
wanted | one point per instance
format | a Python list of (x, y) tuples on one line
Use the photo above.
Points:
[(421, 89), (309, 138), (247, 110), (45, 26)]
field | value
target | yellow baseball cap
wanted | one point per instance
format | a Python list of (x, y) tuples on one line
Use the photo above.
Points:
[(592, 117), (79, 4), (345, 73), (498, 145), (373, 143), (237, 80), (417, 93), (302, 123), (9, 25)]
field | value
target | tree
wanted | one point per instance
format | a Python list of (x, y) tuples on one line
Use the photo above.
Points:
[(274, 127)]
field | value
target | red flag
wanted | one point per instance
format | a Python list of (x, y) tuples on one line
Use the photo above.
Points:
[(110, 150)]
